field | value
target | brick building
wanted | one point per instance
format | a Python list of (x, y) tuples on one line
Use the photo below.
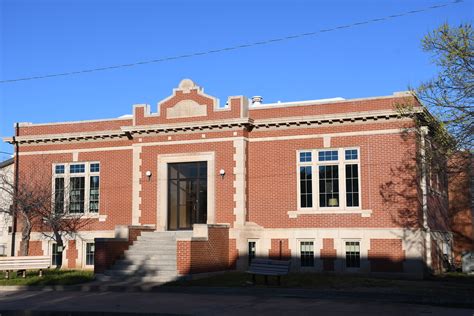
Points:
[(335, 185)]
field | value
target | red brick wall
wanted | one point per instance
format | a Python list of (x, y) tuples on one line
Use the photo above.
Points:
[(71, 254), (233, 253), (460, 203), (107, 251), (115, 183), (35, 248), (386, 255), (279, 250), (224, 187), (328, 254), (204, 255), (233, 112), (388, 181)]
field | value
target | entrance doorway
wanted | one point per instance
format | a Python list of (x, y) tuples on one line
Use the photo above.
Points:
[(187, 195)]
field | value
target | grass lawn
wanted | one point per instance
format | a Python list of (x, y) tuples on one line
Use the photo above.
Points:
[(450, 284), (50, 277)]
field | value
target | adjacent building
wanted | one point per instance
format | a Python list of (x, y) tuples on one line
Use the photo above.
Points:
[(334, 185), (6, 189)]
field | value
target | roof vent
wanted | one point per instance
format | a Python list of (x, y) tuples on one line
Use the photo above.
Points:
[(257, 100)]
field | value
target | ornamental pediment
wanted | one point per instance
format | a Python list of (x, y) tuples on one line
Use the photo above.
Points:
[(186, 108)]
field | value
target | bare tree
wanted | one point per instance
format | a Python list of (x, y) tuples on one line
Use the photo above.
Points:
[(41, 207), (449, 95)]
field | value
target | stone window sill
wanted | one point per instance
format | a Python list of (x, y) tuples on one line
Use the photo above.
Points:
[(101, 218), (295, 214)]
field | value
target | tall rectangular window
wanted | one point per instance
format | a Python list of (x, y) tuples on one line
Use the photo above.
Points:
[(352, 254), (329, 186), (55, 255), (76, 194), (352, 185), (94, 194), (307, 253), (90, 251), (306, 187), (59, 195)]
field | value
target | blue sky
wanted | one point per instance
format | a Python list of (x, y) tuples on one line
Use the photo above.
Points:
[(44, 37)]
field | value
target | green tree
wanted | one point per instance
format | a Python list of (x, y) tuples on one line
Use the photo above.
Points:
[(449, 95)]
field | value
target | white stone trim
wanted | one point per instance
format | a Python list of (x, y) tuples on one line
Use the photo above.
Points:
[(343, 134), (29, 124), (412, 242), (70, 151), (162, 184), (240, 184), (186, 85), (295, 214), (186, 108), (136, 185)]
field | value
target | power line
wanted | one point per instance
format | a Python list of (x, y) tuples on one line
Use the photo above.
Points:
[(220, 50)]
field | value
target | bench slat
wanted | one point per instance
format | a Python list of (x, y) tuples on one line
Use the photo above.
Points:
[(25, 262), (269, 267)]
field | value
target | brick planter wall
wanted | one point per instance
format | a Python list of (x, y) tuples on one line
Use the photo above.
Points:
[(108, 250), (197, 256)]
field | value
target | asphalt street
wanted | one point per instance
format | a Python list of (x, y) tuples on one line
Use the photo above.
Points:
[(175, 303)]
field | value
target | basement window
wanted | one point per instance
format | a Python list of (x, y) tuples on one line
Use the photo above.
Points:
[(352, 254), (307, 253)]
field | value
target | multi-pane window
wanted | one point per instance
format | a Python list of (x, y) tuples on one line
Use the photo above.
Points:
[(55, 255), (328, 155), (76, 194), (94, 194), (334, 177), (59, 195), (59, 169), (252, 250), (306, 189), (95, 167), (307, 253), (90, 250), (352, 185), (329, 186), (352, 254), (77, 168), (305, 156), (76, 187)]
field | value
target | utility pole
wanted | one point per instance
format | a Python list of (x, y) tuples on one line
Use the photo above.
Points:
[(15, 190)]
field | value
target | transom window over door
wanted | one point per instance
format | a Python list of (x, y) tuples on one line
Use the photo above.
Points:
[(187, 194)]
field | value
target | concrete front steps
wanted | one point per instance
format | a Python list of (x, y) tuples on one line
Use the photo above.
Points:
[(152, 258)]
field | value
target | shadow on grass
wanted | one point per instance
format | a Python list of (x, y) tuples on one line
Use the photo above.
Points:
[(50, 277), (334, 281)]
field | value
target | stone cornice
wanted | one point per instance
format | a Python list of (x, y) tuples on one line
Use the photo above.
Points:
[(186, 126), (130, 131), (330, 118)]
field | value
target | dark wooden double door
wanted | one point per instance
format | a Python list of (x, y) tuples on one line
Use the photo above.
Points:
[(187, 195)]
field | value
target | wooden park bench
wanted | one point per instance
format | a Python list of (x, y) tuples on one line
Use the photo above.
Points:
[(268, 267), (24, 263)]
